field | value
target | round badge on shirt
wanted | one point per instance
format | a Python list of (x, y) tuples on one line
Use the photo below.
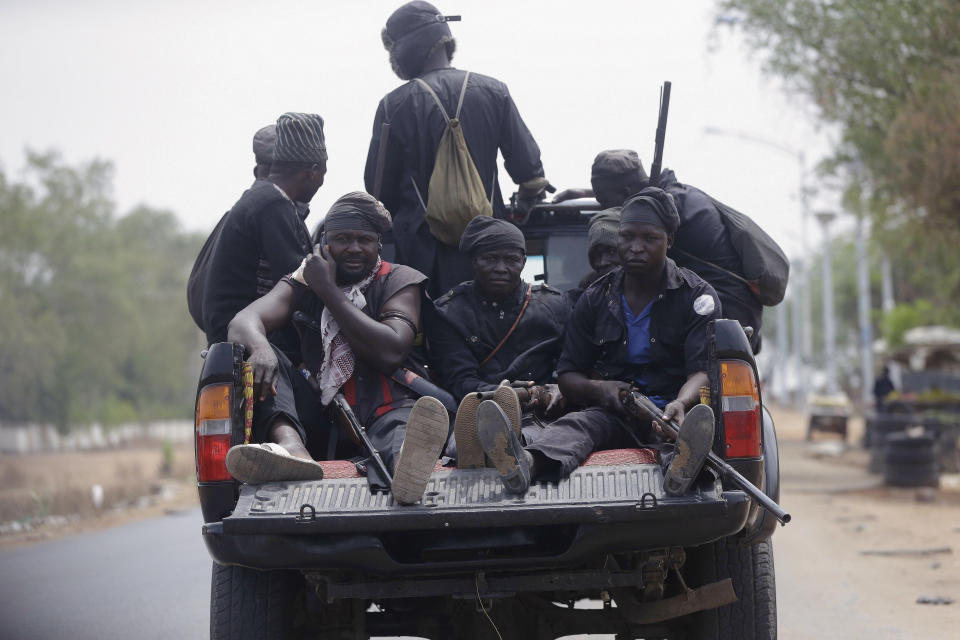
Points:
[(704, 305)]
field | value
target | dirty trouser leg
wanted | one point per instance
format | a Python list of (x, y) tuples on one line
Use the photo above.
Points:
[(386, 434), (297, 402), (567, 442)]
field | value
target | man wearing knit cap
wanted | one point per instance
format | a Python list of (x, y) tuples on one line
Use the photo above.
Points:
[(495, 328), (264, 237), (421, 47), (702, 243), (264, 141), (363, 315), (601, 249), (642, 325)]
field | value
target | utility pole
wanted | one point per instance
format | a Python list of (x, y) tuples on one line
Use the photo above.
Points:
[(799, 273), (863, 313), (829, 332)]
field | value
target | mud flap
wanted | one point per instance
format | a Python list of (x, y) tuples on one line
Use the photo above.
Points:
[(709, 596)]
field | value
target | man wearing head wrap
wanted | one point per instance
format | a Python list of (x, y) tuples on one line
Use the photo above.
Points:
[(362, 316), (702, 243), (263, 237), (601, 249), (494, 328), (644, 324), (421, 46)]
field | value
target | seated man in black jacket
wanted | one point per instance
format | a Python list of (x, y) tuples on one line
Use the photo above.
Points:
[(367, 312), (702, 242), (643, 325), (495, 328)]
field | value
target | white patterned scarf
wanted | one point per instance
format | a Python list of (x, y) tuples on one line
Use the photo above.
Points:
[(338, 359)]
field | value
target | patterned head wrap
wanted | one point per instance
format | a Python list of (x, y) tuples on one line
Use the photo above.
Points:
[(300, 139)]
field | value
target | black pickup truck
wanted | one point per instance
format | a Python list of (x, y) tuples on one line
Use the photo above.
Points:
[(605, 551)]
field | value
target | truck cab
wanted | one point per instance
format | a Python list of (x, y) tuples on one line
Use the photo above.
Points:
[(603, 551)]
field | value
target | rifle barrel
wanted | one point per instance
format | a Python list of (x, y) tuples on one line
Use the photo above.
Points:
[(715, 462)]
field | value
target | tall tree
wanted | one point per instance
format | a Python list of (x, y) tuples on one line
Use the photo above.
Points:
[(93, 307), (887, 72)]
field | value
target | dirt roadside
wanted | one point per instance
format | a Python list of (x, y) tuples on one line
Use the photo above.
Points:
[(51, 495), (826, 586)]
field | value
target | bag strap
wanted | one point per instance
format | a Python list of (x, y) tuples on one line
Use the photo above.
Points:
[(463, 92), (716, 266), (526, 301), (435, 98)]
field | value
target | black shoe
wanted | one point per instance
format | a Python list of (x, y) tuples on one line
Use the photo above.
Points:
[(503, 447), (693, 445)]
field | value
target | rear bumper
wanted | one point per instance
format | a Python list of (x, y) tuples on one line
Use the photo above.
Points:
[(466, 522)]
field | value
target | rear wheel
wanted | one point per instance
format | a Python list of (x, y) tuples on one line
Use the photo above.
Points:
[(246, 604), (754, 615)]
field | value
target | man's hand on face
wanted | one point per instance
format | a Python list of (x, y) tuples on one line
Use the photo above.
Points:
[(320, 271), (612, 393), (265, 367)]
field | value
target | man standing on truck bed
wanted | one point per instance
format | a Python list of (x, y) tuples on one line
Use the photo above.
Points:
[(642, 325), (264, 237), (702, 242), (494, 328), (367, 315), (421, 48)]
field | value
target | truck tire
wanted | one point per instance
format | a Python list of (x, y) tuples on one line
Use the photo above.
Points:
[(246, 604), (754, 615)]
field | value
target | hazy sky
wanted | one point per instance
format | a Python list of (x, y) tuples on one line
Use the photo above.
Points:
[(173, 91)]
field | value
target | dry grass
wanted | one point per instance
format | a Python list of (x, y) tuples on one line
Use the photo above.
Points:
[(40, 485)]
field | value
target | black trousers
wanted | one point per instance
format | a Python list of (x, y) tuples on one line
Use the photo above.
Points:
[(567, 442), (298, 402)]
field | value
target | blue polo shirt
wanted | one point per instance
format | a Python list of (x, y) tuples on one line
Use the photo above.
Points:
[(638, 341)]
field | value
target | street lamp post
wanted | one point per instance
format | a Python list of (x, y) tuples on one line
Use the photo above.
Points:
[(829, 332), (800, 280)]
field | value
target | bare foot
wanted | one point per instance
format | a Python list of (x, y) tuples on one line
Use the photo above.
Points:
[(285, 435)]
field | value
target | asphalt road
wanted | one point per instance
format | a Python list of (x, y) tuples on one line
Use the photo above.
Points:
[(150, 579), (144, 580)]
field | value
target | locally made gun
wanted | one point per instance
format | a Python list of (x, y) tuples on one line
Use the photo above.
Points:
[(641, 407), (378, 476), (661, 135)]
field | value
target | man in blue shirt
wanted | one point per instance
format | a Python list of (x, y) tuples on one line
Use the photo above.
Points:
[(643, 325)]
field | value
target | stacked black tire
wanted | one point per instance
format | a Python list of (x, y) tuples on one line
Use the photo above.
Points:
[(911, 461)]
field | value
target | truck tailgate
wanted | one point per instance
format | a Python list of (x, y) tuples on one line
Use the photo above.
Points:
[(461, 498)]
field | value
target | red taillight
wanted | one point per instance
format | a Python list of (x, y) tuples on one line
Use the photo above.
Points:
[(213, 429), (740, 403)]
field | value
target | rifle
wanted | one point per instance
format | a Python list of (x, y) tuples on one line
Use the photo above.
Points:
[(641, 407), (378, 476), (661, 134)]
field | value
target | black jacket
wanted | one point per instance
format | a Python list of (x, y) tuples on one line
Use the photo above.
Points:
[(596, 340), (464, 329), (263, 238), (490, 121), (703, 235)]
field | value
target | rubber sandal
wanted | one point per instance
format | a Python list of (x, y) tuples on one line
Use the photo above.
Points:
[(427, 430), (693, 444), (269, 462)]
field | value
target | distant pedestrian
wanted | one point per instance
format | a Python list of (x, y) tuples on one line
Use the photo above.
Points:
[(882, 387)]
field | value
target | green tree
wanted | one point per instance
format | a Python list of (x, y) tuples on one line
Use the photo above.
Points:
[(887, 73), (94, 316)]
